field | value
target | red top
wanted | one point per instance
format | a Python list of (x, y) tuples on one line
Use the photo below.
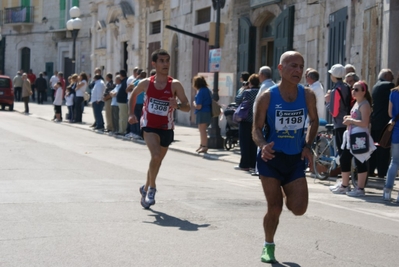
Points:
[(156, 110), (32, 78)]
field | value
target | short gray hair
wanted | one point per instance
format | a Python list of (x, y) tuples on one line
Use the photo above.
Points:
[(350, 66), (266, 71), (353, 75), (383, 73)]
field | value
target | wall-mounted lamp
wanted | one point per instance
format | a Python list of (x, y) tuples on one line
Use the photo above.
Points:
[(44, 20)]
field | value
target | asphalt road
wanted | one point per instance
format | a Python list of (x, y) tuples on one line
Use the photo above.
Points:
[(69, 197)]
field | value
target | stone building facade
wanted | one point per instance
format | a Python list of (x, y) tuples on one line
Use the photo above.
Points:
[(35, 36)]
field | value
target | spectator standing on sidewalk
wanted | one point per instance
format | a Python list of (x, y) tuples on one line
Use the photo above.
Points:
[(97, 101), (138, 110), (203, 107), (351, 78), (312, 80), (32, 80), (114, 104), (130, 129), (58, 102), (265, 78), (107, 102), (41, 87), (281, 161), (53, 81), (26, 92), (157, 120), (80, 91), (121, 98), (69, 100), (379, 118), (18, 82), (393, 110)]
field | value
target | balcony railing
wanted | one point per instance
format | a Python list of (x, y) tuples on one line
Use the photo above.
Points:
[(16, 15)]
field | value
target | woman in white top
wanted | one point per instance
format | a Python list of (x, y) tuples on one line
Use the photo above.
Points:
[(79, 96), (58, 102)]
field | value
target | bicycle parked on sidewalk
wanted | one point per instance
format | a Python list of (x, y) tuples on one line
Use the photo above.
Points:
[(325, 155)]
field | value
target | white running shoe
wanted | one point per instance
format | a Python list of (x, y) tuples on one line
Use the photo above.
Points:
[(337, 184), (341, 190), (387, 194), (356, 193)]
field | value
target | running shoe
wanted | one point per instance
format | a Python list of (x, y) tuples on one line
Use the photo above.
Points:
[(337, 184), (143, 195), (342, 190), (150, 197), (356, 193), (268, 254), (387, 194)]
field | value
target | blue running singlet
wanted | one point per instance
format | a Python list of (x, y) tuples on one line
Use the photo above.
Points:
[(286, 122)]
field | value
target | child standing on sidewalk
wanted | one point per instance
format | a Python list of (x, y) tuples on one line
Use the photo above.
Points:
[(69, 103), (58, 102)]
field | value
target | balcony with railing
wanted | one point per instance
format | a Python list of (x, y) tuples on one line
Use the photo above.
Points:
[(21, 15)]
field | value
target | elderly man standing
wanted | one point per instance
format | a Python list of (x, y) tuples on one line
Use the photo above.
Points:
[(18, 82), (379, 118), (312, 79), (265, 78)]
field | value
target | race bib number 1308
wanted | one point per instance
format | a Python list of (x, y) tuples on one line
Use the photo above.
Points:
[(158, 107), (289, 119)]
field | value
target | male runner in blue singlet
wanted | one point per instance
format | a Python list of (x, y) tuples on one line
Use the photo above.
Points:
[(281, 160)]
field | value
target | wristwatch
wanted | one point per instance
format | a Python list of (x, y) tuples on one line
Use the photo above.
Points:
[(178, 106)]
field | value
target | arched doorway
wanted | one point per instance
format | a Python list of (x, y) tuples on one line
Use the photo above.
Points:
[(25, 59)]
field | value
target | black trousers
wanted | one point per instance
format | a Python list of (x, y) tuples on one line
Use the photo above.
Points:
[(26, 102), (380, 158), (17, 93), (40, 96), (78, 108), (247, 145)]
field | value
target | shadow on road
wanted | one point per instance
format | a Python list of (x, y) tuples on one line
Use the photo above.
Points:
[(166, 220), (285, 264)]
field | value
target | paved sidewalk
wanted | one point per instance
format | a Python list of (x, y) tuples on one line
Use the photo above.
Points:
[(186, 138)]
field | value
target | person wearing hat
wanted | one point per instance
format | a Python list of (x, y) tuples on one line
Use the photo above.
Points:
[(338, 102)]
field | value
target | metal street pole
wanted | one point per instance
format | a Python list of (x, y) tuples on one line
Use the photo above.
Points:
[(74, 35), (215, 140)]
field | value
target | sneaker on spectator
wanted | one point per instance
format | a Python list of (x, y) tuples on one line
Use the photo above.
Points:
[(356, 193), (135, 136), (337, 184), (129, 135), (387, 194), (341, 190), (150, 197)]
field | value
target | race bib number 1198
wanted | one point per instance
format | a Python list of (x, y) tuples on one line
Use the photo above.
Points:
[(289, 119)]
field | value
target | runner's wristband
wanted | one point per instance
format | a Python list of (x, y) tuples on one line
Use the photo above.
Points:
[(308, 146)]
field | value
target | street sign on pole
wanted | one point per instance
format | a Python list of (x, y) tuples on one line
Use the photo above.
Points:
[(215, 57)]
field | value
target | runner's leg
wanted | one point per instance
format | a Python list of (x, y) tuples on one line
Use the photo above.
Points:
[(297, 196), (157, 154), (274, 198)]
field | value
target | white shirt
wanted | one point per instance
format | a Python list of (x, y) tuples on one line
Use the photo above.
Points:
[(98, 91), (58, 97), (81, 91), (116, 89), (318, 89), (53, 80), (266, 84), (69, 100), (129, 81)]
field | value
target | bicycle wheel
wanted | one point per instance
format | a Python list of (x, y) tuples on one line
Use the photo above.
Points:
[(354, 173), (322, 159)]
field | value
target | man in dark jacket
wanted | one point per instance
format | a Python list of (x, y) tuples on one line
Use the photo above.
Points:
[(121, 98), (41, 87), (379, 118)]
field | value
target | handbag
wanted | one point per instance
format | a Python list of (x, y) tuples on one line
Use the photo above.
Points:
[(359, 142), (216, 108), (386, 134), (242, 111)]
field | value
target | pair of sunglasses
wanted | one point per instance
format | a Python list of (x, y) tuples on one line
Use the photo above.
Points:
[(357, 89)]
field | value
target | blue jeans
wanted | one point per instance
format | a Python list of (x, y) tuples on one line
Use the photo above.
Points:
[(393, 167), (97, 109)]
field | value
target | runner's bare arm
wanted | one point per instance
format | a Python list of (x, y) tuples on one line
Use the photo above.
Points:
[(313, 117), (141, 87), (179, 92)]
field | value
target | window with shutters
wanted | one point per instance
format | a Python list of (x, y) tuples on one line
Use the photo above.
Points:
[(65, 6)]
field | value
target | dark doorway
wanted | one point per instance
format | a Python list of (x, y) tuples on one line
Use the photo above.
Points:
[(283, 37), (246, 48), (25, 59), (125, 56), (337, 38), (69, 69), (2, 54)]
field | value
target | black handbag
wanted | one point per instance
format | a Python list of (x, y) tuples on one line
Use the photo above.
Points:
[(359, 142)]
